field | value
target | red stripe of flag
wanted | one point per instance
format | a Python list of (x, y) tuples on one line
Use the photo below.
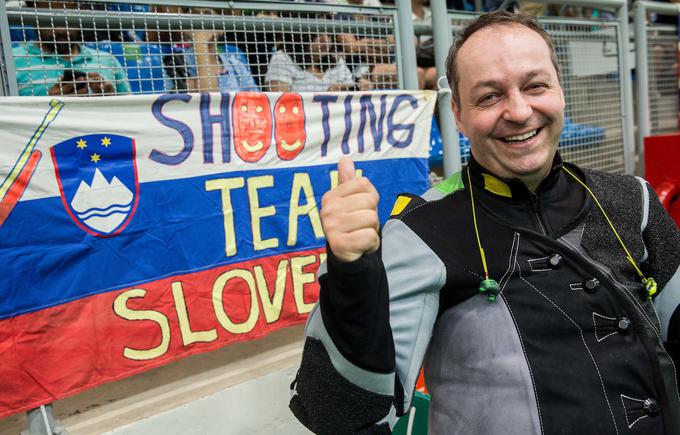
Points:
[(17, 189)]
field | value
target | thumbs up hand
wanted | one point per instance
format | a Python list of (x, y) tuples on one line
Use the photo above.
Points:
[(349, 215)]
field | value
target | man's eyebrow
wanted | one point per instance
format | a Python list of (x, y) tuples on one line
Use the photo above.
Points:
[(498, 84)]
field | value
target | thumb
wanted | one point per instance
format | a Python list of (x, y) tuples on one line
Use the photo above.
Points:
[(345, 170)]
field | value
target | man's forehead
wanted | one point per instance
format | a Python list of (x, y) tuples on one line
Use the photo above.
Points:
[(503, 50)]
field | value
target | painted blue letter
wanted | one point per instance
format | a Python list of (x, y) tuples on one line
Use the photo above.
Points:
[(207, 121), (376, 124), (392, 127), (324, 100), (183, 129)]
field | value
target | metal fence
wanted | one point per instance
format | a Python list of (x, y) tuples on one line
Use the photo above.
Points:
[(662, 88), (656, 70), (589, 57), (107, 48)]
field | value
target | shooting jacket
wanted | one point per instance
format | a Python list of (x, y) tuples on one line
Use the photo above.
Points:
[(572, 344)]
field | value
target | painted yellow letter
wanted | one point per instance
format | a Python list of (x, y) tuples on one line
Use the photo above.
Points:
[(188, 336), (300, 279), (301, 182), (257, 212), (226, 185), (121, 309), (218, 305), (272, 305)]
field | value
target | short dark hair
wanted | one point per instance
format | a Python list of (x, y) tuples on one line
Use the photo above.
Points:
[(492, 19)]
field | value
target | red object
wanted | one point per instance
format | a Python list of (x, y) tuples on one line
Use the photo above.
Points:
[(662, 170), (420, 383), (252, 121), (62, 350), (17, 189), (290, 132)]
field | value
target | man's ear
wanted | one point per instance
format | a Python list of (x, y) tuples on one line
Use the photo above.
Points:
[(457, 115)]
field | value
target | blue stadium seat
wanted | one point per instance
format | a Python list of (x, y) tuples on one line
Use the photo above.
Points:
[(143, 64), (22, 33), (574, 136)]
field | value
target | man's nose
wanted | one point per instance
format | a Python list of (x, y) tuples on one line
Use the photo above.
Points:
[(517, 109)]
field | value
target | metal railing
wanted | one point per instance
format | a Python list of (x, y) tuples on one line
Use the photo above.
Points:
[(596, 81), (656, 66), (108, 47)]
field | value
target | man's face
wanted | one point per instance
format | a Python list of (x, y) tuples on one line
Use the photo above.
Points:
[(511, 102)]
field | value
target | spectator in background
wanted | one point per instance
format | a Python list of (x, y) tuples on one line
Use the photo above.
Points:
[(201, 60), (59, 64), (368, 57), (306, 62), (212, 65), (173, 46), (427, 72)]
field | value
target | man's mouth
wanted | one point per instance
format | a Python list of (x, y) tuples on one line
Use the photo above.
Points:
[(521, 137)]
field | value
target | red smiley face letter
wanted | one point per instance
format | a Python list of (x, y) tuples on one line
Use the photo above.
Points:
[(252, 122), (290, 132)]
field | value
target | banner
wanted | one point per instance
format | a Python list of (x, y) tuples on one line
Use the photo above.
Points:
[(137, 230)]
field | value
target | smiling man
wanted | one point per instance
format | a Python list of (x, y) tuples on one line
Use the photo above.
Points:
[(524, 285)]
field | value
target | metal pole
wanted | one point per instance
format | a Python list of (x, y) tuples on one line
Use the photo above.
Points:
[(626, 91), (8, 57), (642, 76), (408, 49), (442, 36)]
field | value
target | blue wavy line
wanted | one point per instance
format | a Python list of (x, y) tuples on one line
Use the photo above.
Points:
[(103, 215)]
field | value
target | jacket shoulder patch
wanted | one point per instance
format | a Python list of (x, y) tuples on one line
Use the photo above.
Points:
[(404, 203), (451, 184)]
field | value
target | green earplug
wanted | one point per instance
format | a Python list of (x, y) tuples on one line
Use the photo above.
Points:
[(490, 287)]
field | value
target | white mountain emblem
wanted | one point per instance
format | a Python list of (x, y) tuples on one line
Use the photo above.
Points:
[(102, 205)]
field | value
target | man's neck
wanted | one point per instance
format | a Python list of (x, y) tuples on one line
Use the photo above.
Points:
[(531, 182)]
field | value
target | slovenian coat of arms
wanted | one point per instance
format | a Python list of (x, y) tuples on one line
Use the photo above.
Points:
[(98, 183)]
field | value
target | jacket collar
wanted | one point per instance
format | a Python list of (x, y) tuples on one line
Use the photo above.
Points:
[(512, 187)]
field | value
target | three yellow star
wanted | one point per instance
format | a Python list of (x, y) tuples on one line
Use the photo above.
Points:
[(95, 158), (106, 141), (81, 144)]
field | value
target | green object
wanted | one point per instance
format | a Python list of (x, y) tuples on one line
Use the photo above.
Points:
[(132, 52), (421, 403), (37, 71), (650, 286), (451, 184), (490, 287)]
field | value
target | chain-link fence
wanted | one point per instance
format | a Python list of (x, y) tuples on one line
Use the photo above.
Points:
[(106, 48), (588, 55), (662, 88)]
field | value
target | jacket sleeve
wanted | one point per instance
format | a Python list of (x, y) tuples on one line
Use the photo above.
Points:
[(662, 241), (367, 336)]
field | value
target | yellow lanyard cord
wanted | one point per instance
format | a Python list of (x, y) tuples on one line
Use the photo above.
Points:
[(630, 257), (474, 221)]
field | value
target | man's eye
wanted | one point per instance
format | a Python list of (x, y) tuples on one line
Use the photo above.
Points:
[(487, 99), (537, 86)]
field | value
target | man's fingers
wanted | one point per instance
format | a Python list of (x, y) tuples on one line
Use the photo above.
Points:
[(351, 246), (356, 185), (357, 201), (345, 170), (359, 220)]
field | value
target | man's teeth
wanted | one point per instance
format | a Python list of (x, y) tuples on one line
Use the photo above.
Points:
[(520, 137)]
